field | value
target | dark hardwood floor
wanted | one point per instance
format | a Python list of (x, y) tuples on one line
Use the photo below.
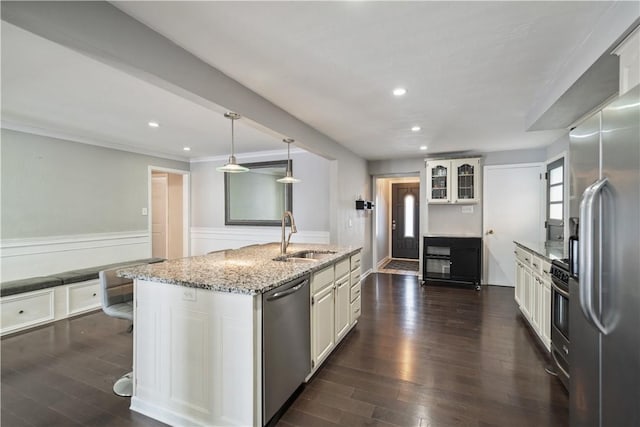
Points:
[(420, 356), (433, 356)]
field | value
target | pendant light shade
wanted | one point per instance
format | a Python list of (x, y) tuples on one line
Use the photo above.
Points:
[(232, 166), (288, 179)]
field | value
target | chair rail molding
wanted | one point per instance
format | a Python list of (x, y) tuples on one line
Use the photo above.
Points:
[(37, 256)]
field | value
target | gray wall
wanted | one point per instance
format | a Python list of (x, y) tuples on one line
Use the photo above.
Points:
[(53, 187), (310, 197)]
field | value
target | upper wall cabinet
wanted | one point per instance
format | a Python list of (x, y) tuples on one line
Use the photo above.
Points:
[(453, 180)]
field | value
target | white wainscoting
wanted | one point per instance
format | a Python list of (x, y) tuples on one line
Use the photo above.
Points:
[(207, 239), (31, 257)]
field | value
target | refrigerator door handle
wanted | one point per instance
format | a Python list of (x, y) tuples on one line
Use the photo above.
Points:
[(586, 255)]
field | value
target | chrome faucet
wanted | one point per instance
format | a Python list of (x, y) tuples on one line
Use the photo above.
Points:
[(284, 243)]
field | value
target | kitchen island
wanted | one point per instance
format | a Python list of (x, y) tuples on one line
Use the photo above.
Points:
[(198, 327)]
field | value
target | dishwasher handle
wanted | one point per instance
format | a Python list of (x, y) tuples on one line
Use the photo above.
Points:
[(289, 291)]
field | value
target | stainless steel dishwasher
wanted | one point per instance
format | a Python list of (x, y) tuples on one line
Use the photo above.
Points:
[(286, 344)]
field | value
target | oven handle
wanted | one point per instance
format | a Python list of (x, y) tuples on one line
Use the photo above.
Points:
[(586, 253), (555, 359), (559, 290)]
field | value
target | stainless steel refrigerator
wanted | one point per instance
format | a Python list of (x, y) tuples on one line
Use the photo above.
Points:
[(604, 303)]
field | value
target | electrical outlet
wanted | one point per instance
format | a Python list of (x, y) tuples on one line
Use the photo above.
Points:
[(466, 209), (145, 212)]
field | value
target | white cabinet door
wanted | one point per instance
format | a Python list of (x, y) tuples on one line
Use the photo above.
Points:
[(536, 287), (323, 331), (527, 294), (519, 284), (465, 175), (439, 181), (343, 308), (546, 314)]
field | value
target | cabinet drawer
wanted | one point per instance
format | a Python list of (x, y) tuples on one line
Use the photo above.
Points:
[(342, 268), (546, 269), (536, 264), (321, 279), (355, 261), (26, 310), (355, 291), (355, 310), (355, 276), (83, 296), (523, 256)]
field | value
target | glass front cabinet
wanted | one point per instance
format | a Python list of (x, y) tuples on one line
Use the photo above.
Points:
[(453, 181)]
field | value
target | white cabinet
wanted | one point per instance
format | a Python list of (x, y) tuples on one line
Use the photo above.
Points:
[(343, 308), (335, 306), (439, 181), (533, 293), (26, 310), (453, 180), (322, 321)]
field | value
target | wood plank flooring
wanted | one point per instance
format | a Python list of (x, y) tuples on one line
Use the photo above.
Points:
[(433, 356), (420, 356)]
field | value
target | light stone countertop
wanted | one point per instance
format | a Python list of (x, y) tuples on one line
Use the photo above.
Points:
[(550, 252), (250, 270)]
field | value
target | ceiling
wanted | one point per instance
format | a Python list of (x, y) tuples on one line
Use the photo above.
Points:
[(472, 71)]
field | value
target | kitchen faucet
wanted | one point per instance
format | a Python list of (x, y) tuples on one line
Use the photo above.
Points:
[(285, 243)]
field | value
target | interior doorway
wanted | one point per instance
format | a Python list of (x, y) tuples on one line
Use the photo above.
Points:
[(169, 212), (404, 260), (405, 220)]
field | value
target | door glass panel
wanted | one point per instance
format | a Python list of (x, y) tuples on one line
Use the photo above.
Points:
[(439, 182), (409, 201), (555, 193), (555, 211), (555, 175), (465, 181)]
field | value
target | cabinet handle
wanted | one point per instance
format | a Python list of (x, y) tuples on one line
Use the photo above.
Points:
[(526, 259), (94, 294), (21, 311), (535, 265)]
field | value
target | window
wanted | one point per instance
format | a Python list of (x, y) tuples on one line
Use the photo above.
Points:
[(409, 202), (555, 201)]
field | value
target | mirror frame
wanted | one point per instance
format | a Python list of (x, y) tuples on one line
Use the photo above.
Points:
[(288, 196)]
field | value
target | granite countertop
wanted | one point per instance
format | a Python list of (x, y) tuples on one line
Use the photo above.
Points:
[(250, 270), (550, 252)]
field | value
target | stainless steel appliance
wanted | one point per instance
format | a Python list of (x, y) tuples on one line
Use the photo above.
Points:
[(286, 344), (604, 312), (560, 319)]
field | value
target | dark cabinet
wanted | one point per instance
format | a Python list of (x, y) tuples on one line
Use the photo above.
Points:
[(452, 259)]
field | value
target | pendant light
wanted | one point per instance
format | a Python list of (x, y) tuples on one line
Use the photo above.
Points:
[(288, 179), (232, 166)]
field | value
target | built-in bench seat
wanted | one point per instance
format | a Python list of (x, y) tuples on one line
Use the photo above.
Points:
[(37, 300)]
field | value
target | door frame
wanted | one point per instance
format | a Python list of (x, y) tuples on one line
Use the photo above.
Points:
[(542, 189), (186, 206), (418, 177), (391, 212)]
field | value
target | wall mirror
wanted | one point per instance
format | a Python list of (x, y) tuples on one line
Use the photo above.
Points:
[(255, 197)]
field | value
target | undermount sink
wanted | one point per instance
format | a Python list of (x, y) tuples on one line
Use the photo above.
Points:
[(305, 256)]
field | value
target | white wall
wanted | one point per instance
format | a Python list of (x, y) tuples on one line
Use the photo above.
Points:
[(382, 205), (67, 205), (310, 205)]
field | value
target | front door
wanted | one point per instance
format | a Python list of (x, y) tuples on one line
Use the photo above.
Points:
[(405, 220)]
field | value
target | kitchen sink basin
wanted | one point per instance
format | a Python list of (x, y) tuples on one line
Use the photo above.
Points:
[(305, 256)]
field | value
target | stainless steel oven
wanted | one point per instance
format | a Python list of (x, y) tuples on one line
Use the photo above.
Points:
[(560, 319)]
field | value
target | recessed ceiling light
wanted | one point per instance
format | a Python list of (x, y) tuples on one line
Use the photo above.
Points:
[(423, 147), (399, 91), (416, 128), (187, 148), (154, 124)]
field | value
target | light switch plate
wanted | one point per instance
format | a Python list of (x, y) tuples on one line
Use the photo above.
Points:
[(144, 211), (466, 209)]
